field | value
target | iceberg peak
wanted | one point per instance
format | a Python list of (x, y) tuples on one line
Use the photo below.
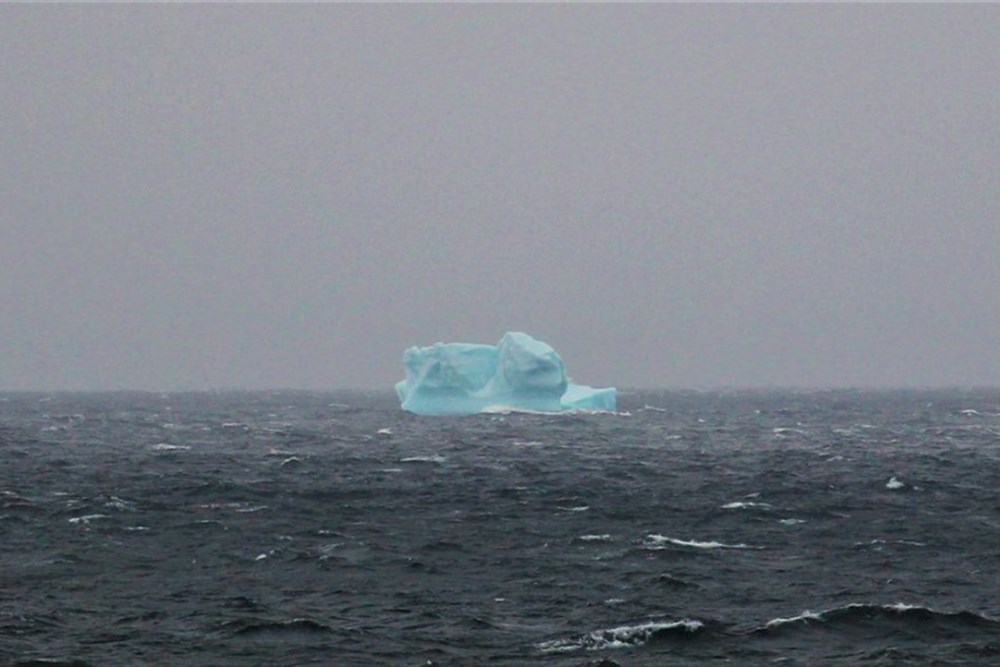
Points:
[(518, 373)]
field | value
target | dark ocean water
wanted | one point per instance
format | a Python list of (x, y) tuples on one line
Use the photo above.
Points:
[(806, 528)]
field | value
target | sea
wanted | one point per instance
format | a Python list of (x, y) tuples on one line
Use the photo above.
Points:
[(834, 527)]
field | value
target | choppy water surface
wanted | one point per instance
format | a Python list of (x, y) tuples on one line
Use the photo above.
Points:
[(830, 528)]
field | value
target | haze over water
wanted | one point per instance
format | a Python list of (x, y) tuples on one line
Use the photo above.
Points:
[(245, 196)]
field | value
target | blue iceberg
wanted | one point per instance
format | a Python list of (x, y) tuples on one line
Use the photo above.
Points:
[(519, 373)]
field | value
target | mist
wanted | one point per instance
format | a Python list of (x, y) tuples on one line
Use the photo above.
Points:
[(264, 196)]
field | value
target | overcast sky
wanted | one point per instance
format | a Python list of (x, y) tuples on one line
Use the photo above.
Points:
[(246, 196)]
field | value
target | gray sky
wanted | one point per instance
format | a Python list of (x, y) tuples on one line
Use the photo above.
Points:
[(250, 196)]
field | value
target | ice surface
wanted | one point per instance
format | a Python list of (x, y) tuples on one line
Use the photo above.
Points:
[(518, 373)]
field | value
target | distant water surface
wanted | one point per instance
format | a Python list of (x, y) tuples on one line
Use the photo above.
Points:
[(290, 528)]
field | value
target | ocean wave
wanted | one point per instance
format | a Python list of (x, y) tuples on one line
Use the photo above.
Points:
[(87, 518), (575, 508), (878, 543), (15, 501), (869, 614), (624, 636), (894, 484), (592, 537), (255, 626), (435, 458), (654, 541), (739, 505), (167, 447), (52, 662)]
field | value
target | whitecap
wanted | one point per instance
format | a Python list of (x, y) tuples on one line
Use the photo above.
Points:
[(867, 609), (238, 505), (620, 637), (738, 505), (878, 542), (87, 518), (604, 537), (894, 483), (327, 551), (654, 541), (166, 447), (436, 458), (114, 502), (251, 509), (384, 431), (804, 617), (784, 432)]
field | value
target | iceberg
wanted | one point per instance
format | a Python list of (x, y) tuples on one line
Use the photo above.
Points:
[(519, 374)]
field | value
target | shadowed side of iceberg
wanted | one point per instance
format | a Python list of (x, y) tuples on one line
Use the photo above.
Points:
[(519, 373)]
